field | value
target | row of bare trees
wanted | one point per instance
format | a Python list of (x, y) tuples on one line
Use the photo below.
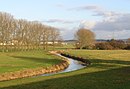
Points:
[(24, 35)]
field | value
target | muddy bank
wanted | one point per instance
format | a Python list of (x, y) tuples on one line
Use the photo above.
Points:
[(75, 63), (85, 61), (34, 72)]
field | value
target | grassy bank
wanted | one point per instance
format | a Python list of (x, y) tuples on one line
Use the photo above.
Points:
[(109, 70), (15, 61)]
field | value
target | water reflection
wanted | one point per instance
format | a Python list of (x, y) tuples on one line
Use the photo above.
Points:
[(74, 65)]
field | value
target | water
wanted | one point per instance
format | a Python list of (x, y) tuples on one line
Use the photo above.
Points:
[(74, 65)]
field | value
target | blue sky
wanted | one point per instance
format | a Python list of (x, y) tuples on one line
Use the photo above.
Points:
[(69, 15)]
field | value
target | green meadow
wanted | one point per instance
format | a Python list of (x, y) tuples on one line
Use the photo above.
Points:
[(108, 70), (16, 61)]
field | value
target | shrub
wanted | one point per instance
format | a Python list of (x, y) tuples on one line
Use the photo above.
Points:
[(128, 47), (117, 44), (104, 46)]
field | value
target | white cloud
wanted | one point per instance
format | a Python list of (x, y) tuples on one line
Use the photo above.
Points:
[(112, 34), (119, 25), (113, 24), (62, 21), (68, 34), (121, 22), (87, 7), (87, 24), (114, 27), (97, 11), (106, 13), (60, 5)]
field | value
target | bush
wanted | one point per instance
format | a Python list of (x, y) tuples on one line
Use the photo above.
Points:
[(128, 47), (104, 46), (112, 44), (117, 44)]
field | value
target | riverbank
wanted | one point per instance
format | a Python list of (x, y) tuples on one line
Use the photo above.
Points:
[(34, 71)]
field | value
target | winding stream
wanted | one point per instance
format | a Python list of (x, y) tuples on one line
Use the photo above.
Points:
[(74, 65)]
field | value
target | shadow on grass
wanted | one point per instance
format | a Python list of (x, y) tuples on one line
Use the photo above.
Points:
[(38, 60), (110, 61), (111, 78)]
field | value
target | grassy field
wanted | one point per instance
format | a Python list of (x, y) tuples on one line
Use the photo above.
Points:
[(15, 61), (109, 70)]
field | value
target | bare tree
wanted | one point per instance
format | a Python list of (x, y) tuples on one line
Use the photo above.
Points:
[(6, 29), (85, 38), (54, 36), (24, 35)]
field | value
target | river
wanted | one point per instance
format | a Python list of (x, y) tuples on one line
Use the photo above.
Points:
[(74, 65)]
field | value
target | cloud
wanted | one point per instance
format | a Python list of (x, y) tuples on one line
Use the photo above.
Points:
[(119, 25), (60, 5), (97, 11), (115, 23), (107, 14), (116, 26), (87, 24), (60, 21), (87, 7), (123, 34), (68, 33)]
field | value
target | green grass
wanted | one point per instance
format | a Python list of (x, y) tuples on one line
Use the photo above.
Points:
[(16, 61), (64, 47), (109, 70)]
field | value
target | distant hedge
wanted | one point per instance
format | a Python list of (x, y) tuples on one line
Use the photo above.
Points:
[(128, 47), (104, 46), (112, 45)]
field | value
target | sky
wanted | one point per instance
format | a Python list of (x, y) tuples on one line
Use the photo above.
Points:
[(106, 18)]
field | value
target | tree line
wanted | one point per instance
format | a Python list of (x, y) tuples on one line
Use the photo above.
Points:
[(113, 45), (20, 34)]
